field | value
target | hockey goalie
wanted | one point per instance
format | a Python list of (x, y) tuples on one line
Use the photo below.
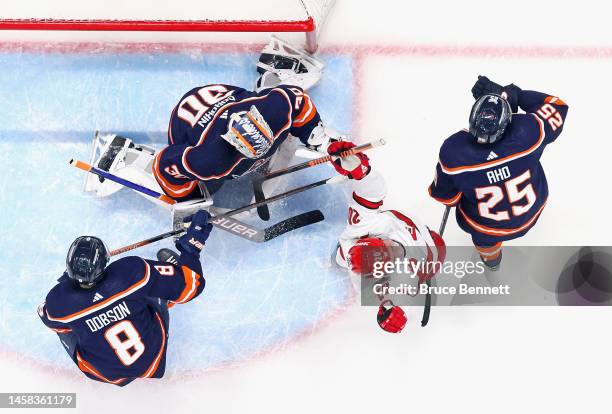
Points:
[(220, 132)]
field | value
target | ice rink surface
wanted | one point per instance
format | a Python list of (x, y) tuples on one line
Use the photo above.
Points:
[(278, 329), (251, 302)]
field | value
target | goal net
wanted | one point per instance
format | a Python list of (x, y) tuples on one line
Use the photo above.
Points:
[(301, 16)]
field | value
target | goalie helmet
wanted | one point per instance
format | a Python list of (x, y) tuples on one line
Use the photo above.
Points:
[(489, 118), (87, 258), (249, 133)]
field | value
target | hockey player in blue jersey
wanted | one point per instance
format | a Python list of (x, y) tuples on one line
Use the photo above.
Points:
[(492, 172), (218, 132), (113, 320), (221, 131)]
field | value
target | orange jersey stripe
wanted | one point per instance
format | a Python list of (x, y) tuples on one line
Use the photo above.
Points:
[(155, 364), (88, 368), (308, 112), (180, 190), (555, 100), (446, 201), (192, 281), (499, 161), (100, 305), (61, 330), (500, 232)]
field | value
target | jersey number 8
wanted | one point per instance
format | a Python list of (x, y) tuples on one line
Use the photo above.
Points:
[(125, 341), (495, 195)]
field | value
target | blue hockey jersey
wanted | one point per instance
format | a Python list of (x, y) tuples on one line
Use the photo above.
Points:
[(119, 334), (500, 189), (196, 149)]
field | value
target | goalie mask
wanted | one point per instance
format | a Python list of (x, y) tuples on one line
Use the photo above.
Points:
[(249, 133)]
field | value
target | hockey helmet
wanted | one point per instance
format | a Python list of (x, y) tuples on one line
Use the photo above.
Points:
[(87, 258), (489, 118), (249, 133)]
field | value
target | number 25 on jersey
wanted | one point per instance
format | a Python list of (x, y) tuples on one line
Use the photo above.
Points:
[(520, 199)]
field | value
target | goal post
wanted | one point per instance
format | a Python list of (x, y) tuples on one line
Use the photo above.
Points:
[(306, 16)]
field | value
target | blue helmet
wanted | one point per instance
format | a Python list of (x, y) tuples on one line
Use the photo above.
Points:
[(87, 258), (489, 118)]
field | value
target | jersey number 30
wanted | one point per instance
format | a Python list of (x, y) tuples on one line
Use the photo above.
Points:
[(493, 195), (125, 341)]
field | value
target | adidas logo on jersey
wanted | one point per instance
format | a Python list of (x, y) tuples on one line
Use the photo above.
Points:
[(97, 297), (492, 156)]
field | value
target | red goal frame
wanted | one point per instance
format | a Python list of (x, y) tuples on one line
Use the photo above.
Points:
[(307, 26)]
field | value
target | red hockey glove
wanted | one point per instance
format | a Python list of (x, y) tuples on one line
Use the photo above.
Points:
[(391, 318), (354, 166)]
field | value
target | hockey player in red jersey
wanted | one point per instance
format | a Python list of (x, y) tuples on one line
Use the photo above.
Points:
[(113, 318), (374, 235), (492, 172)]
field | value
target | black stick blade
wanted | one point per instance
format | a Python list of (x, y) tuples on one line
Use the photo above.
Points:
[(293, 223), (262, 211)]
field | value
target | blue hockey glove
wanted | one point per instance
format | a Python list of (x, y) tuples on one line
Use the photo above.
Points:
[(484, 86), (193, 240)]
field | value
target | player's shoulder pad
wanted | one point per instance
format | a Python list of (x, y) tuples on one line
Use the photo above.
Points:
[(128, 269), (454, 151), (290, 90), (527, 129)]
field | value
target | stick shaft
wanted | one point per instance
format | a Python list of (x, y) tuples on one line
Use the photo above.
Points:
[(229, 213), (428, 282), (105, 174), (322, 160)]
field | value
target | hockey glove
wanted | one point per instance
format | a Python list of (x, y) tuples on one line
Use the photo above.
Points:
[(355, 166), (391, 318), (193, 240), (484, 86)]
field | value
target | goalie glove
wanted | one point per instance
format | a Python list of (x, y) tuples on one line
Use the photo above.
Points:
[(355, 166)]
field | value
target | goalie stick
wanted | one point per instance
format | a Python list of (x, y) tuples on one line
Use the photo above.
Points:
[(263, 211), (224, 222), (427, 309), (274, 231)]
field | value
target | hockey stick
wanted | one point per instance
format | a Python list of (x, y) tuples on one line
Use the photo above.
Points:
[(263, 211), (270, 233), (427, 309), (225, 223), (257, 235), (105, 174), (267, 234)]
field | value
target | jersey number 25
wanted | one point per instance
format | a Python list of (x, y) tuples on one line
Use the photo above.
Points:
[(493, 195)]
